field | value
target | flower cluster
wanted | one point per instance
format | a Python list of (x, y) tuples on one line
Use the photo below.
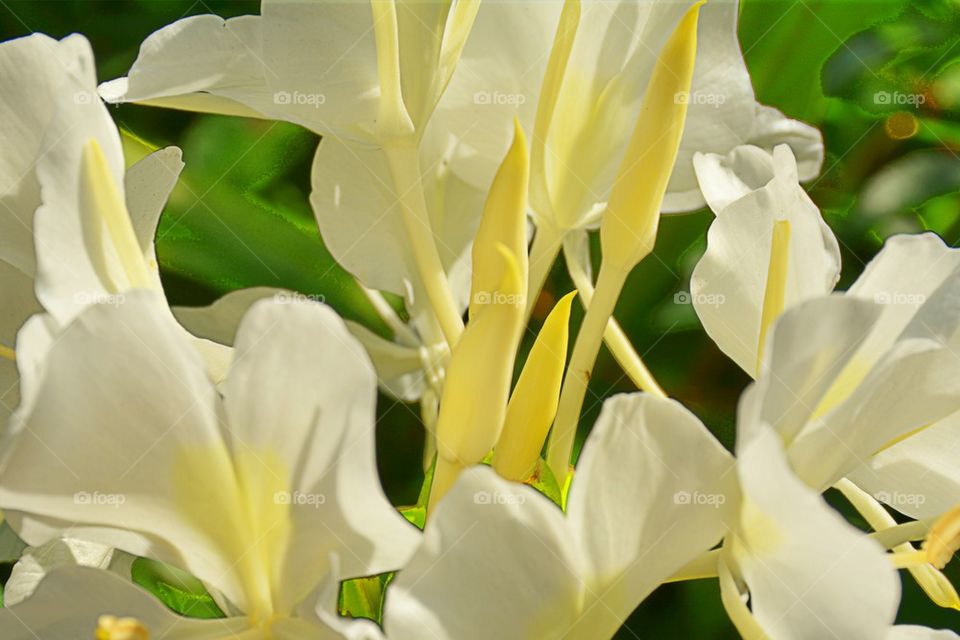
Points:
[(230, 450)]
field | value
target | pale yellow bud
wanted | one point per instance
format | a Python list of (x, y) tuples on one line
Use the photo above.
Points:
[(629, 226), (533, 405), (504, 222), (477, 385)]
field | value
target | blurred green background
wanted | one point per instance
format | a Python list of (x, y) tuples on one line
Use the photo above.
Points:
[(881, 79)]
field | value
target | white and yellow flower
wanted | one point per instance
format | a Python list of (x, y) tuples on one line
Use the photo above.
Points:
[(500, 560), (264, 487), (79, 227)]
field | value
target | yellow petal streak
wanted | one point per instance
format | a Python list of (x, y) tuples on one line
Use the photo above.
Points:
[(113, 628), (629, 226), (774, 296), (7, 353), (533, 404), (242, 508), (107, 216)]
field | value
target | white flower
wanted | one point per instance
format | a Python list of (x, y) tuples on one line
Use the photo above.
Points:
[(878, 357), (79, 228), (500, 560), (264, 487)]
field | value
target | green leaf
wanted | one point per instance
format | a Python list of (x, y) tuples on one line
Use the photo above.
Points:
[(546, 483), (240, 217), (786, 44), (363, 597), (907, 65), (177, 589)]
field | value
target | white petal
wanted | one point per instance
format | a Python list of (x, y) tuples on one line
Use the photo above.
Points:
[(324, 50), (148, 184), (301, 398), (916, 632), (69, 601), (910, 274), (918, 476), (399, 368), (808, 350), (498, 77), (200, 63), (219, 321), (144, 461), (729, 284), (74, 264), (724, 179), (39, 75), (357, 208), (915, 384), (809, 573), (496, 561), (37, 562), (651, 492), (723, 113)]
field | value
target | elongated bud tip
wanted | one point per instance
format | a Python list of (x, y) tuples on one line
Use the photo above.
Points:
[(533, 404), (629, 227)]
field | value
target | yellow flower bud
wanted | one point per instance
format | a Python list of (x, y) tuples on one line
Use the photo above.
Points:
[(629, 226), (533, 404)]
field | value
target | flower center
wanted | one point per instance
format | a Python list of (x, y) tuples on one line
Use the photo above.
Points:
[(114, 628)]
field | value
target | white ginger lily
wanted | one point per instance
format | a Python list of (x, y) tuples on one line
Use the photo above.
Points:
[(768, 251), (78, 228), (500, 560), (263, 487)]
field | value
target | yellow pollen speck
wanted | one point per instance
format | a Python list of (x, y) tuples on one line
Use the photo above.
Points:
[(114, 628)]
